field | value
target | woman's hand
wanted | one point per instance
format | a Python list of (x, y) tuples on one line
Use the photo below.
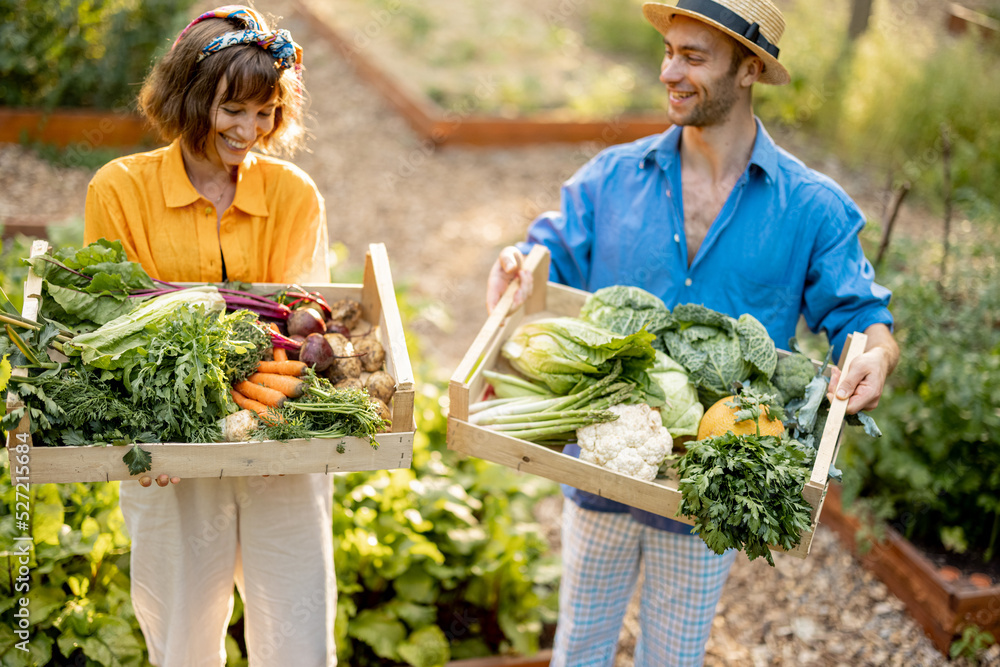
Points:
[(507, 267), (162, 480)]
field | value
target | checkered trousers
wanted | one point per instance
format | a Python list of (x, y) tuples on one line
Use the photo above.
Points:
[(682, 583)]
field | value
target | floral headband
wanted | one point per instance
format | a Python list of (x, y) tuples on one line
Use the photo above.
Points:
[(278, 43)]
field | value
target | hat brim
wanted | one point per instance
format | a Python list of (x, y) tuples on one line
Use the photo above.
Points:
[(660, 16)]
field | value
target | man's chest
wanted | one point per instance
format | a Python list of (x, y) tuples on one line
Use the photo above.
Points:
[(703, 200)]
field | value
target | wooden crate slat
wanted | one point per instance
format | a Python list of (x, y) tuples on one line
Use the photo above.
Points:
[(378, 288), (189, 460), (828, 444), (660, 497)]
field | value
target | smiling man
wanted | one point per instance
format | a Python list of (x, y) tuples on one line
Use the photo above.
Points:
[(709, 212)]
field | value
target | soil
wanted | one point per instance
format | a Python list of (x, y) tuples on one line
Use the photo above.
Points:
[(444, 214)]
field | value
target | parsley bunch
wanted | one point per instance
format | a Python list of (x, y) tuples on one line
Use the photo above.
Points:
[(745, 492)]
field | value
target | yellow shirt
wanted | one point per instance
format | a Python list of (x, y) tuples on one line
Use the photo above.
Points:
[(275, 230)]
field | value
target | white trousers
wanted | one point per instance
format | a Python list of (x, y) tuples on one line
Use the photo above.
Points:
[(271, 536), (682, 583)]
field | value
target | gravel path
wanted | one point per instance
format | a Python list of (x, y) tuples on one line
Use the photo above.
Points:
[(443, 215)]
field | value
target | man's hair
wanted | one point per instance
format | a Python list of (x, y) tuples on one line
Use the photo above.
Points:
[(178, 94), (740, 53)]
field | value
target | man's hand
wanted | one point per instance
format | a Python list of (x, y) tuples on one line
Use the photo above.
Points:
[(505, 269), (866, 378), (162, 480)]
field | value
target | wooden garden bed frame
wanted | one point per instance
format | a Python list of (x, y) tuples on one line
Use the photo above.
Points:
[(89, 128), (660, 496), (943, 608), (101, 463)]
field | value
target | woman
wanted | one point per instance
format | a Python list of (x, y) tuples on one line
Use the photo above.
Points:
[(206, 209)]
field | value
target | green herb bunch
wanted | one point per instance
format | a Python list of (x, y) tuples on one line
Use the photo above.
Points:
[(326, 412), (183, 378), (745, 492)]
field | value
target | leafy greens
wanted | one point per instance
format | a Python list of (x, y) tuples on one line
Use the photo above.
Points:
[(745, 492), (566, 352)]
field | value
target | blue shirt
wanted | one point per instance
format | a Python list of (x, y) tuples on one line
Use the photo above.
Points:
[(785, 243)]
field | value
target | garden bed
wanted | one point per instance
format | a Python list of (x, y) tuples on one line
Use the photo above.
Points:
[(541, 659), (475, 100), (942, 604), (74, 127)]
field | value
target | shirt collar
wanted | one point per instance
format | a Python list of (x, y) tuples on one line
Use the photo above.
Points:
[(178, 190), (665, 151)]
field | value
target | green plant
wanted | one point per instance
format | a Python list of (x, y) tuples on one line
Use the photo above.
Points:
[(81, 53), (77, 582), (935, 472), (449, 544), (974, 641)]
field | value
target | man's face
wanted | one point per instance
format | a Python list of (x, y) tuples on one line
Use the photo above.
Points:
[(698, 72)]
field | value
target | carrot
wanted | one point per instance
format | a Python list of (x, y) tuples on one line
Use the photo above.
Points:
[(295, 368), (267, 414), (278, 353), (291, 387), (261, 394)]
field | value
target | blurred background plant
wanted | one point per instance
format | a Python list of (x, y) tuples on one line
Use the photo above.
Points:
[(934, 475), (81, 54)]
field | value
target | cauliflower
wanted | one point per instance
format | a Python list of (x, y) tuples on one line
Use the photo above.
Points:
[(635, 444)]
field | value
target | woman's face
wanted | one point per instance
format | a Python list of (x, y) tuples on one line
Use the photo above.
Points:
[(237, 126)]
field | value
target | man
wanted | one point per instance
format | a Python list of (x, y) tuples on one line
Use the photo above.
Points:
[(709, 212)]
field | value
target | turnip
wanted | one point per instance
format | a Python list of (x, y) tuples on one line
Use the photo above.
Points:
[(346, 312), (349, 383), (381, 385), (383, 411), (345, 364), (372, 353)]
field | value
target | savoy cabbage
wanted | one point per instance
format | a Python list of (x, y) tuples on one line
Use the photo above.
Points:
[(718, 350)]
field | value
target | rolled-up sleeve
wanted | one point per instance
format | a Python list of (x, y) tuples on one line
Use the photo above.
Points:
[(841, 295), (569, 233)]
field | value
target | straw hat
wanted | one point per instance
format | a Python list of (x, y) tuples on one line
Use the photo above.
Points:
[(757, 24)]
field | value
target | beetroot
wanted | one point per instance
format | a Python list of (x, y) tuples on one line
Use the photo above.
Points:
[(338, 328), (316, 352), (305, 321), (294, 354)]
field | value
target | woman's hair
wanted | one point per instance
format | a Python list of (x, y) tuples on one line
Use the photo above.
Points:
[(178, 95)]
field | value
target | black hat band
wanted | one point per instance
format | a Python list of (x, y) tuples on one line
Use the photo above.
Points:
[(731, 20)]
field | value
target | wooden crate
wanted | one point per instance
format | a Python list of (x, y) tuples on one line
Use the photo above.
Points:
[(102, 463), (660, 496)]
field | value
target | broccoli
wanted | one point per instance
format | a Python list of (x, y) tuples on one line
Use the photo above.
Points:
[(791, 376)]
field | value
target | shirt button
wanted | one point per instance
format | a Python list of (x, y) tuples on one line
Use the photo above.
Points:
[(208, 210), (677, 238), (688, 282)]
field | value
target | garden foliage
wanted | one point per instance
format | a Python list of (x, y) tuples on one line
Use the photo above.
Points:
[(79, 53), (935, 472)]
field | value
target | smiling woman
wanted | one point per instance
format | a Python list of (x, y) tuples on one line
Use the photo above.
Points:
[(213, 206)]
